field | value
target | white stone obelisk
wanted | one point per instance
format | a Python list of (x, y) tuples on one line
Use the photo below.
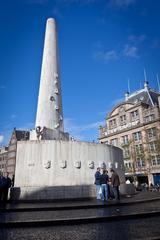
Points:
[(49, 110)]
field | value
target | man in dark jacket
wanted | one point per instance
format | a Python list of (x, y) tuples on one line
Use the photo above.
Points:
[(97, 182), (2, 186), (6, 187), (104, 184), (115, 184)]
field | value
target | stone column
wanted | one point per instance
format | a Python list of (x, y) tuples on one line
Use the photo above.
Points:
[(49, 109)]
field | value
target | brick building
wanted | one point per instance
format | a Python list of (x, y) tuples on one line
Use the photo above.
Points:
[(17, 135), (3, 159)]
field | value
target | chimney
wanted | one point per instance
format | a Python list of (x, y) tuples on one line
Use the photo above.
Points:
[(146, 85), (126, 96)]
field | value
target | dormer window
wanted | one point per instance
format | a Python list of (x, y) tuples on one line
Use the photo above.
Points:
[(134, 115), (123, 119), (112, 123)]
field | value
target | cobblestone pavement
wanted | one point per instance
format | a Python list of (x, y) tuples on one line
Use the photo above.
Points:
[(145, 229)]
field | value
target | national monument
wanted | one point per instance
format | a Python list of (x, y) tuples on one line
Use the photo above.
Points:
[(51, 165)]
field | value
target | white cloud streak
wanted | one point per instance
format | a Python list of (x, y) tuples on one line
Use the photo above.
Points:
[(130, 51), (121, 3), (2, 87), (137, 39), (105, 56), (79, 131), (1, 138)]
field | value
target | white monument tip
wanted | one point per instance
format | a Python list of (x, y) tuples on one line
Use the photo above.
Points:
[(51, 20)]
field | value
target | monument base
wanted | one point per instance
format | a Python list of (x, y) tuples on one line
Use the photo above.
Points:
[(61, 192), (52, 193)]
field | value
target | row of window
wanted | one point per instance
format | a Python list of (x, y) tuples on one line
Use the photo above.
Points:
[(2, 158), (139, 149), (149, 118), (134, 115), (137, 136), (140, 163), (155, 160), (2, 166)]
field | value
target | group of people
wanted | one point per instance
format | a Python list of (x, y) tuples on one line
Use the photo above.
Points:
[(107, 187), (5, 184)]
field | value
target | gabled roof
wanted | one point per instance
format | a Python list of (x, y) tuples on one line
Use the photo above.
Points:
[(147, 96), (22, 135)]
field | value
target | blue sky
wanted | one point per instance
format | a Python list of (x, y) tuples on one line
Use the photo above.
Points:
[(101, 44)]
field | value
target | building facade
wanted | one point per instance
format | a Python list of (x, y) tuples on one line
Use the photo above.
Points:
[(3, 159), (17, 135), (134, 126)]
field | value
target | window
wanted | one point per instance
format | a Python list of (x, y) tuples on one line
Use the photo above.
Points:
[(140, 163), (112, 123), (139, 149), (134, 115), (114, 142), (158, 159), (155, 160), (128, 166), (123, 119), (124, 139), (152, 146), (137, 136), (149, 118), (151, 132), (126, 152)]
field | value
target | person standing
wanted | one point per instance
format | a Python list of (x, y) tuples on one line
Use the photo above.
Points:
[(6, 187), (104, 185), (97, 182), (2, 187), (115, 184)]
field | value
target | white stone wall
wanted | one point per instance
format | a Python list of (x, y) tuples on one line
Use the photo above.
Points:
[(63, 163)]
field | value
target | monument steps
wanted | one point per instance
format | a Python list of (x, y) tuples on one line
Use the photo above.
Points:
[(78, 220), (21, 206), (66, 215)]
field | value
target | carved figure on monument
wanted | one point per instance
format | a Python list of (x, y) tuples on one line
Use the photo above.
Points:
[(63, 164), (47, 164), (91, 164), (40, 132)]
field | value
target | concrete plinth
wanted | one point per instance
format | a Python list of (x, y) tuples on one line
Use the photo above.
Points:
[(62, 169)]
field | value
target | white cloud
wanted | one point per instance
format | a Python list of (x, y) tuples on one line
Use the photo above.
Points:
[(83, 2), (105, 55), (1, 138), (121, 3), (2, 87), (130, 51), (13, 116), (37, 2), (79, 131), (136, 39)]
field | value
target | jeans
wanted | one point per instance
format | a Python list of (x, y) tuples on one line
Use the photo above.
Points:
[(97, 191), (104, 188), (116, 192)]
